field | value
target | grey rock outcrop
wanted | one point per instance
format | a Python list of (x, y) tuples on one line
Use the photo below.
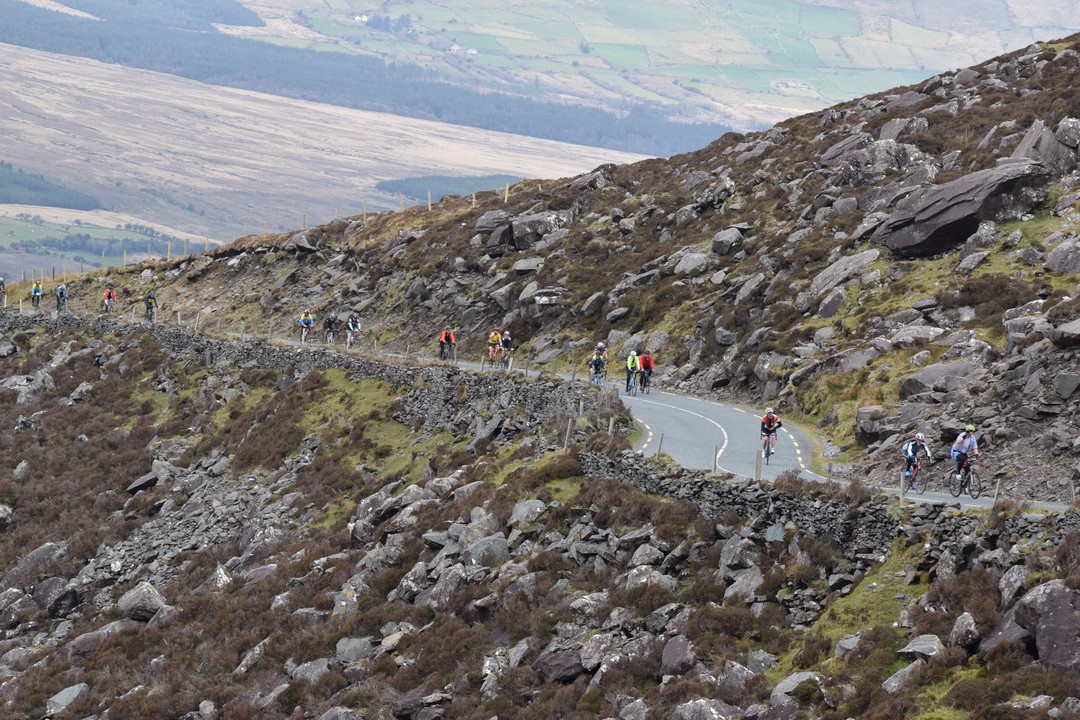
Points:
[(931, 221)]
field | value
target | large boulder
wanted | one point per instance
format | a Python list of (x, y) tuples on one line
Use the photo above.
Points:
[(1064, 258), (1050, 613), (141, 602), (844, 268), (678, 656), (934, 375), (1067, 335), (931, 221)]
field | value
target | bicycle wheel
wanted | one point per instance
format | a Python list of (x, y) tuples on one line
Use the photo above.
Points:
[(919, 481), (646, 383), (974, 484), (955, 484)]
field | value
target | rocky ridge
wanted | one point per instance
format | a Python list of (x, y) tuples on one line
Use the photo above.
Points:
[(903, 261), (553, 606)]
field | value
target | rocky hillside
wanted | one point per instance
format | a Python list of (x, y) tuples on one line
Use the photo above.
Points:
[(210, 529), (907, 261)]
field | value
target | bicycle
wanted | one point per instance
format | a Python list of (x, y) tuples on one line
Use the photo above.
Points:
[(632, 390), (644, 381), (352, 338), (444, 351), (107, 305), (303, 334), (35, 300), (968, 480), (328, 337), (492, 357), (917, 480), (767, 446), (151, 311), (61, 304), (506, 360)]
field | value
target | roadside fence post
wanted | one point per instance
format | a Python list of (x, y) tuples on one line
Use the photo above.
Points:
[(903, 486), (611, 425), (573, 372), (715, 452), (133, 313), (177, 318), (581, 407), (569, 427), (757, 466), (241, 331), (660, 445)]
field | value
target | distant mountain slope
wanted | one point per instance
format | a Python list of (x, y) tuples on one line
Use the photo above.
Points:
[(740, 62), (221, 162), (143, 41)]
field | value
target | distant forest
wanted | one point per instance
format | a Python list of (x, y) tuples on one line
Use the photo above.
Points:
[(138, 38), (22, 188), (416, 188)]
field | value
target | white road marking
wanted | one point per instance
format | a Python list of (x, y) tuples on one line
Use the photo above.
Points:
[(720, 427)]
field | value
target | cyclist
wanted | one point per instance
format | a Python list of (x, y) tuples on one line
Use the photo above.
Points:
[(3, 287), (329, 325), (108, 298), (307, 322), (36, 291), (601, 350), (597, 364), (911, 449), (645, 360), (61, 296), (353, 328), (494, 343), (151, 305), (965, 445), (632, 367), (506, 344), (447, 342), (770, 423)]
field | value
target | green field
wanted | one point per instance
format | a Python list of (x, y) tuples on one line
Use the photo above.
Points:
[(34, 257), (778, 54)]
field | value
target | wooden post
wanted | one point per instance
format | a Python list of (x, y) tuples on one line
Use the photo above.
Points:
[(474, 199), (177, 318), (241, 331), (715, 452), (611, 425), (757, 465), (125, 257), (903, 486), (580, 406), (569, 427), (81, 268), (429, 200), (185, 247), (304, 226), (506, 194), (53, 272), (206, 245), (132, 313), (660, 445), (148, 256), (365, 211)]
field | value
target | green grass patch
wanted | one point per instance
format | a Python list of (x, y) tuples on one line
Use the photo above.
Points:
[(875, 602), (565, 490)]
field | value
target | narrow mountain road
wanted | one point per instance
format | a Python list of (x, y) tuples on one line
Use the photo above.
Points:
[(702, 434)]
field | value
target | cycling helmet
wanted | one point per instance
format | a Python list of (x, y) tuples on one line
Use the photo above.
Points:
[(633, 354), (970, 428), (600, 345), (506, 333), (768, 411), (333, 316), (920, 437)]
